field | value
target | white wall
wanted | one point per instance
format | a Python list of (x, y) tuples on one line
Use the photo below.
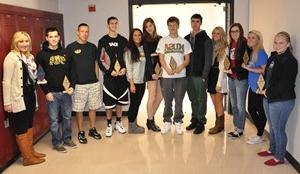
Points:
[(270, 19), (76, 12), (46, 5), (241, 13)]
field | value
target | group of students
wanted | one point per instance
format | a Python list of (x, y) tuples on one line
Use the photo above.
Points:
[(171, 66)]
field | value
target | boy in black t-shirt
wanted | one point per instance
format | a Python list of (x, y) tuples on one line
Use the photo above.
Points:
[(85, 73), (115, 85)]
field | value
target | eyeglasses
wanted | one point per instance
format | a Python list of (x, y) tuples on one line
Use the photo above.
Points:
[(234, 31)]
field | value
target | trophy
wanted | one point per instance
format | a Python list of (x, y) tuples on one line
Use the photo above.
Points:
[(66, 84), (117, 66), (260, 83), (157, 69), (246, 58), (173, 63), (226, 63)]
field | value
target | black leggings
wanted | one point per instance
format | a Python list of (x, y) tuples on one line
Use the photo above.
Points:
[(256, 110), (135, 101), (22, 121)]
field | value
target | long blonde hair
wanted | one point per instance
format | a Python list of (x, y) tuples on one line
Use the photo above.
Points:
[(259, 45), (17, 38), (222, 43)]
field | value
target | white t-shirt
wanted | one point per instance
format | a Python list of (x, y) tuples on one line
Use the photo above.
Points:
[(176, 48)]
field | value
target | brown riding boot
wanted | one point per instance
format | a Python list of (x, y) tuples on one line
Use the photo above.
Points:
[(219, 127), (215, 123), (25, 149), (30, 138)]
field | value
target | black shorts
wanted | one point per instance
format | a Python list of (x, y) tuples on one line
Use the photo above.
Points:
[(115, 91)]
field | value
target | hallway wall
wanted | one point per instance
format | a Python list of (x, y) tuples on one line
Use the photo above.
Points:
[(271, 19)]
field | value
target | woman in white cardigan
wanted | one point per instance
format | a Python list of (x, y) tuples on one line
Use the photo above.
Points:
[(19, 75), (217, 81)]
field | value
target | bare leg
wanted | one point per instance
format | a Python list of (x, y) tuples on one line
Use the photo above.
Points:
[(154, 98), (119, 111), (79, 117), (92, 117)]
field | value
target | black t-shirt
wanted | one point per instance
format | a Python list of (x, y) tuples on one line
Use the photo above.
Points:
[(83, 57), (114, 48)]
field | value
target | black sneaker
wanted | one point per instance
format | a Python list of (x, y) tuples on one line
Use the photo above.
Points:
[(199, 128), (81, 137), (235, 134), (192, 125), (93, 133)]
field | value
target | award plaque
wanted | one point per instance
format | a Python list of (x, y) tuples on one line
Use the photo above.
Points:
[(117, 66), (173, 63), (66, 83), (226, 63), (157, 69), (246, 58), (260, 83)]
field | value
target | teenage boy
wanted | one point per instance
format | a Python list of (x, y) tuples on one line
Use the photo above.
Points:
[(115, 85), (174, 55), (56, 65), (85, 73), (197, 73)]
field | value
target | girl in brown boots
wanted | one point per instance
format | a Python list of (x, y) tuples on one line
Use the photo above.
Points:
[(19, 75)]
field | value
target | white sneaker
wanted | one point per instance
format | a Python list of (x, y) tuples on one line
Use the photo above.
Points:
[(109, 131), (178, 128), (119, 127), (255, 140), (166, 128), (41, 82)]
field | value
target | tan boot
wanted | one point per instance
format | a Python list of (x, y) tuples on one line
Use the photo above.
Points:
[(25, 149), (30, 138), (219, 127), (215, 123)]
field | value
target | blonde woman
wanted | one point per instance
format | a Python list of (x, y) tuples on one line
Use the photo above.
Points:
[(279, 96), (217, 81), (19, 76), (257, 64)]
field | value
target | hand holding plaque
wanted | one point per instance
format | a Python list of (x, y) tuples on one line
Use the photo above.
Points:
[(173, 63), (157, 69), (226, 63), (117, 67), (246, 58), (66, 84), (260, 84)]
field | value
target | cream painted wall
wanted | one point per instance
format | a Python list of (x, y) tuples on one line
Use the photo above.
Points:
[(76, 11), (270, 19), (241, 13), (46, 5)]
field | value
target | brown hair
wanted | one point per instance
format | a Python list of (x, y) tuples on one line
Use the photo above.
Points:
[(173, 19), (147, 36)]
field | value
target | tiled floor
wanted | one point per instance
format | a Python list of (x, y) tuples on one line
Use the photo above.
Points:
[(153, 153)]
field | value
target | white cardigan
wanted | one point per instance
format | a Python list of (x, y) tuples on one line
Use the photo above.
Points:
[(13, 82), (222, 77)]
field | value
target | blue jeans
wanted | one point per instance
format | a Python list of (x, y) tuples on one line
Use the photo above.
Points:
[(277, 114), (62, 105), (237, 94)]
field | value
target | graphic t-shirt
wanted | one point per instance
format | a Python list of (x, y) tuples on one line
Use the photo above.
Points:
[(114, 50), (174, 48)]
